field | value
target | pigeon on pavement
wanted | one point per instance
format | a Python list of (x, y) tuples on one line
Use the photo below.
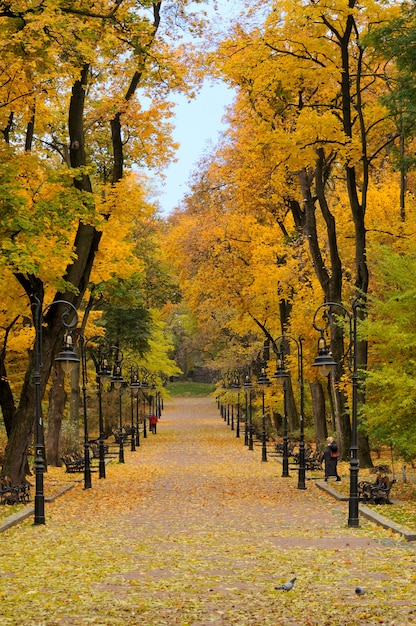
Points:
[(360, 591), (287, 586)]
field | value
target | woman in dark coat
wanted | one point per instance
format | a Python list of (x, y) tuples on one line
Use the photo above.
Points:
[(330, 458)]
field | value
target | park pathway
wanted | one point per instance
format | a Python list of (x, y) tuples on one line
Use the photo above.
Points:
[(194, 529)]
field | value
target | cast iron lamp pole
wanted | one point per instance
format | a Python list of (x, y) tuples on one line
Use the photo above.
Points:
[(263, 381), (248, 386), (325, 363), (67, 358), (87, 464), (144, 385), (236, 384), (237, 431), (103, 372), (134, 392), (118, 381), (282, 375), (245, 386)]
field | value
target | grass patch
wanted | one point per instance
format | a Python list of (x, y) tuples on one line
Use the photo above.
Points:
[(188, 389), (9, 509), (403, 509)]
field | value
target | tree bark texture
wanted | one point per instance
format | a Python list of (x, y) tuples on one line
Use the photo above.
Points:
[(86, 245), (319, 413), (57, 399)]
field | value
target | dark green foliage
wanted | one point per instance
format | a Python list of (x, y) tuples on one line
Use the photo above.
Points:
[(128, 327), (396, 41), (389, 414)]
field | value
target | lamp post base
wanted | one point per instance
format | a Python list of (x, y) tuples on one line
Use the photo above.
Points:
[(121, 449), (353, 503), (302, 472), (87, 467), (39, 514)]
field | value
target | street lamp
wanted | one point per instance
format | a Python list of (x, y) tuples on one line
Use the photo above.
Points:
[(134, 393), (281, 375), (234, 384), (87, 465), (67, 358), (143, 372), (248, 386), (102, 372), (117, 380), (325, 363), (237, 386), (135, 389), (263, 381)]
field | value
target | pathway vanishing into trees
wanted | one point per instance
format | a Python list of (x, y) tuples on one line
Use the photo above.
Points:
[(194, 530)]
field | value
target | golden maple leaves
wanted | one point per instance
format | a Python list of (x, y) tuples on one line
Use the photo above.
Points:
[(194, 529)]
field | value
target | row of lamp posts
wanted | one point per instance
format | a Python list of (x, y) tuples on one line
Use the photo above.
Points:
[(101, 352), (325, 364), (67, 357)]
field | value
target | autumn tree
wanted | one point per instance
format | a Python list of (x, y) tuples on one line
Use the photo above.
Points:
[(72, 125), (389, 410), (313, 94), (393, 42)]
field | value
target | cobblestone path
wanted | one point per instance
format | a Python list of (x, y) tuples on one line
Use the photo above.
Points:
[(194, 529)]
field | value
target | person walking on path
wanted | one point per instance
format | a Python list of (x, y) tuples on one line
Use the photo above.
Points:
[(330, 458), (153, 423)]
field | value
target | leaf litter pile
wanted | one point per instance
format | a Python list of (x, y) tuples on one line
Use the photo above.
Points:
[(194, 530)]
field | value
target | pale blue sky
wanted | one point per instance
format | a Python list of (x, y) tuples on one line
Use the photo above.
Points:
[(197, 124)]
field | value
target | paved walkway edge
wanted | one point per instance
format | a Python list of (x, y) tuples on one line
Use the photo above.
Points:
[(14, 519), (365, 511), (369, 514)]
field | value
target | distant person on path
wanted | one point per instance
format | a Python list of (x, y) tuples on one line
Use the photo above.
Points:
[(330, 458), (152, 423)]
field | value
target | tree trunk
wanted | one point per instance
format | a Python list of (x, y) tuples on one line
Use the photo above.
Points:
[(7, 404), (319, 413), (74, 397), (292, 412), (6, 399), (77, 273), (57, 399)]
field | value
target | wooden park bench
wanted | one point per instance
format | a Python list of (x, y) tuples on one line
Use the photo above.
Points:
[(377, 492), (13, 494), (279, 448), (118, 436), (73, 463), (313, 460), (94, 446)]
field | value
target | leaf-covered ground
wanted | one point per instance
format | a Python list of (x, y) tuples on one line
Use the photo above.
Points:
[(194, 530)]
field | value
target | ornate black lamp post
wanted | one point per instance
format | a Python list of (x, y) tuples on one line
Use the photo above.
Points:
[(98, 366), (248, 386), (237, 430), (102, 372), (135, 389), (263, 381), (67, 358), (281, 375), (144, 385), (237, 387), (118, 381), (134, 394), (325, 363)]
